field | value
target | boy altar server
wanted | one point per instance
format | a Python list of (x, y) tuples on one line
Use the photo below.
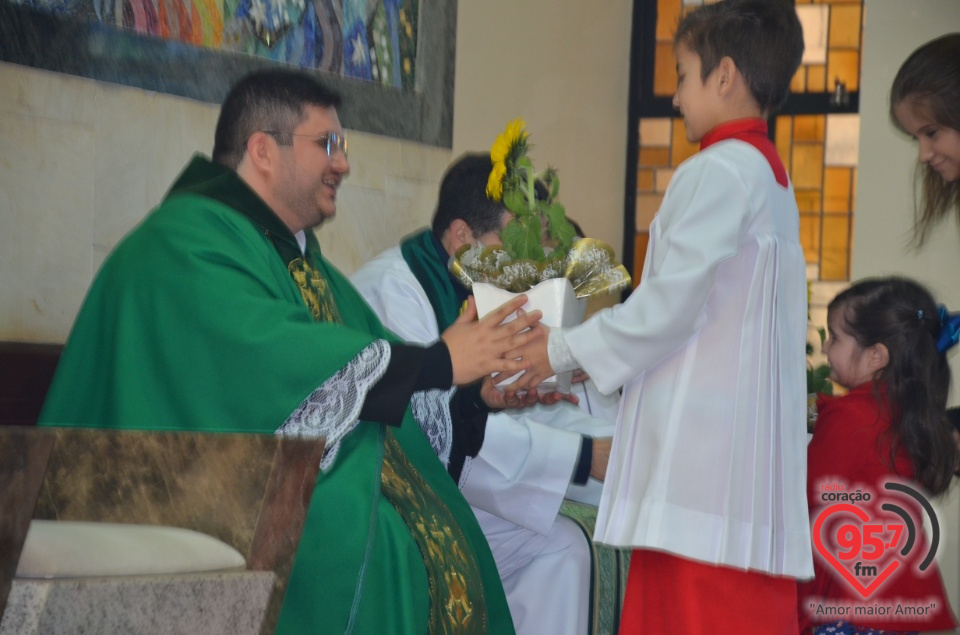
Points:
[(707, 472)]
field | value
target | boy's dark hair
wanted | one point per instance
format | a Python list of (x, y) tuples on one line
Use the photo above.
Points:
[(271, 100), (902, 315), (463, 195), (762, 37), (929, 82)]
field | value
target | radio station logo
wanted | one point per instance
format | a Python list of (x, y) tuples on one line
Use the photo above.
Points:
[(866, 550)]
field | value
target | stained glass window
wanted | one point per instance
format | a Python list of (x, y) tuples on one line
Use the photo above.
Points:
[(816, 135)]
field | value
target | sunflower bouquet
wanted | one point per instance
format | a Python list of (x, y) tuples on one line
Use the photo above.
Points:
[(539, 243), (540, 254)]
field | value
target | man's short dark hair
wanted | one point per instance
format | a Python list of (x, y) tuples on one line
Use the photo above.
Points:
[(762, 37), (463, 195), (267, 100)]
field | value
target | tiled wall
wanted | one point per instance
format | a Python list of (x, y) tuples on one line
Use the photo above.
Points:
[(81, 162)]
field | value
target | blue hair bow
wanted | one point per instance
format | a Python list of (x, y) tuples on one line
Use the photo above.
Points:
[(949, 330)]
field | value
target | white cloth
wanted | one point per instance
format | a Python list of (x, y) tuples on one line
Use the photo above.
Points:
[(546, 578), (521, 475), (709, 457)]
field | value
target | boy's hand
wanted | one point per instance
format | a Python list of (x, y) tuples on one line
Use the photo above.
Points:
[(534, 354), (479, 348)]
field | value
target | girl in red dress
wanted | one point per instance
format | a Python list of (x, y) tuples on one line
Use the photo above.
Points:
[(884, 348)]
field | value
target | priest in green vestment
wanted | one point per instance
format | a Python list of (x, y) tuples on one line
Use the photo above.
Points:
[(219, 313)]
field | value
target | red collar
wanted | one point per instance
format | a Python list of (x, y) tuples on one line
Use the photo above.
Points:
[(753, 131)]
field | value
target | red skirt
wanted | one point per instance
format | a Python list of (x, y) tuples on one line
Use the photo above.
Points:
[(670, 595)]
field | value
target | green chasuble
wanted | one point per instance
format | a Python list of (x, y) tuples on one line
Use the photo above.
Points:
[(199, 321)]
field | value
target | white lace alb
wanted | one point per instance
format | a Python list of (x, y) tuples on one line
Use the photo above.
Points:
[(333, 409), (431, 409)]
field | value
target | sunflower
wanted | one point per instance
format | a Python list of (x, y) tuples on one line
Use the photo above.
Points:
[(495, 182), (508, 141)]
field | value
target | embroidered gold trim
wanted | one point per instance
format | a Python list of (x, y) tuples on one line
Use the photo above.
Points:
[(457, 603), (315, 291)]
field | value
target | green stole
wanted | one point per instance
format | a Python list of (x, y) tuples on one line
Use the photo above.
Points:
[(420, 255)]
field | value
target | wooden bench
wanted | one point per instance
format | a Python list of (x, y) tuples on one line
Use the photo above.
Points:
[(26, 371)]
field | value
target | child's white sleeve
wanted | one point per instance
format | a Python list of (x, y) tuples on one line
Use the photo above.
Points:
[(698, 226), (561, 359)]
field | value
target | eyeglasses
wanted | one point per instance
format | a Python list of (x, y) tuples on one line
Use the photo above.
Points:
[(329, 141)]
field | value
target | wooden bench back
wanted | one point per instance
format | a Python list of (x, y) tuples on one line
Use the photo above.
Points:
[(26, 371)]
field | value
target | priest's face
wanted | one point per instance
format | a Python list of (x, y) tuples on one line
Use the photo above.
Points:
[(312, 168)]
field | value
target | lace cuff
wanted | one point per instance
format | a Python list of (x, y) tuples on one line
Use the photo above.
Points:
[(333, 409), (561, 359), (465, 473), (431, 409)]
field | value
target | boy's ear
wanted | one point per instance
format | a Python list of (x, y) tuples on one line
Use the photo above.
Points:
[(726, 72)]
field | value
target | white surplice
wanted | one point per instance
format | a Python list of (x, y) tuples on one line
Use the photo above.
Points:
[(709, 459), (521, 475)]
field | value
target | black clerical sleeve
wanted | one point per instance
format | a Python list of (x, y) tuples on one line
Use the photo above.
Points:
[(469, 413), (412, 368)]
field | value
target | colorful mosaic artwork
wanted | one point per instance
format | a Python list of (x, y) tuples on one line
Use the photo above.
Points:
[(373, 40)]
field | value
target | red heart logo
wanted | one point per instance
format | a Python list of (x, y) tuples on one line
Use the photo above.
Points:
[(818, 541)]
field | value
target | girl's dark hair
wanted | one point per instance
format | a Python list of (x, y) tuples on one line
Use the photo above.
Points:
[(902, 315), (929, 82)]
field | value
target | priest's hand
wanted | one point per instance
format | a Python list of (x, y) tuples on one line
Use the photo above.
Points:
[(479, 347), (600, 457)]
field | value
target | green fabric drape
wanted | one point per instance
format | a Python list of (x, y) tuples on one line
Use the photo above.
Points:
[(421, 256)]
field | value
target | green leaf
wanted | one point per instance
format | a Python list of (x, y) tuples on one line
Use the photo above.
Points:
[(514, 201), (818, 379), (552, 180), (559, 227), (532, 232), (513, 238)]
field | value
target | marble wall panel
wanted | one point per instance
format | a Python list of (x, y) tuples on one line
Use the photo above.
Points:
[(412, 205), (40, 94), (144, 140), (96, 157), (370, 220), (372, 158), (46, 212), (424, 163)]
